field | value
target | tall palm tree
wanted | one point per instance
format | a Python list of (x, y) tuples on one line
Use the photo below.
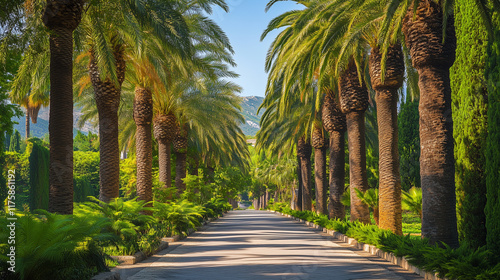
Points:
[(143, 117), (320, 144), (30, 87), (304, 151), (308, 43), (428, 28), (165, 127), (437, 169), (107, 65), (386, 72), (61, 18), (335, 123), (353, 103), (387, 116)]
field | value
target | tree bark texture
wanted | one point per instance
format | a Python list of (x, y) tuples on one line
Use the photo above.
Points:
[(321, 180), (305, 151), (107, 96), (300, 185), (143, 116), (357, 165), (432, 58), (390, 212), (61, 18), (337, 175)]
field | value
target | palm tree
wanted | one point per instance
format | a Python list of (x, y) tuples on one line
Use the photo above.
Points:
[(429, 32), (353, 103), (320, 144), (61, 18), (297, 47), (30, 87), (143, 117), (437, 169), (107, 65), (304, 151), (335, 123), (387, 116), (165, 127)]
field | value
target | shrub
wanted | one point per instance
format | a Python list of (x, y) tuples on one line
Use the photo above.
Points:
[(178, 218), (52, 246), (126, 223)]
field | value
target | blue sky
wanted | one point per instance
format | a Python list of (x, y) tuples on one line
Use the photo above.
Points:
[(244, 25)]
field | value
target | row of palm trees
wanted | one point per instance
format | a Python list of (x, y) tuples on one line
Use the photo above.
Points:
[(322, 65), (143, 68)]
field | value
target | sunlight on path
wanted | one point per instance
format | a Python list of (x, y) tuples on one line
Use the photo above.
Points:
[(253, 244)]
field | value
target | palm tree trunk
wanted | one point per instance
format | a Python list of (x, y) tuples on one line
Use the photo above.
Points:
[(180, 146), (357, 165), (180, 171), (164, 154), (143, 116), (27, 124), (337, 175), (61, 18), (107, 97), (320, 177), (305, 151), (109, 165), (432, 58), (390, 179), (300, 185), (390, 212), (437, 169)]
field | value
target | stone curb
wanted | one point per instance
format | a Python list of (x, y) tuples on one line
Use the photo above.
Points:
[(140, 256), (390, 257)]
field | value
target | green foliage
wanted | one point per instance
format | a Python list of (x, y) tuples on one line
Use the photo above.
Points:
[(412, 201), (128, 179), (346, 198), (470, 122), (178, 217), (126, 222), (15, 142), (492, 143), (409, 144), (85, 175), (229, 182), (216, 207), (19, 163), (197, 190), (51, 246), (369, 198), (411, 223), (85, 143), (39, 175)]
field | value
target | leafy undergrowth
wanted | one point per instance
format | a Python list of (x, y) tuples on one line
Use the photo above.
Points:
[(461, 263)]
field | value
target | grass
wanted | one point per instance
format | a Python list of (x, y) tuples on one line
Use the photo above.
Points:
[(411, 224)]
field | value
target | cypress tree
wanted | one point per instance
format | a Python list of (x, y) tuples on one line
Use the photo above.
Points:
[(493, 143), (15, 142), (469, 95), (409, 144), (39, 177)]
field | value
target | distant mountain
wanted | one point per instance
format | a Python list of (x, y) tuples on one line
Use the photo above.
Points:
[(41, 128), (249, 106)]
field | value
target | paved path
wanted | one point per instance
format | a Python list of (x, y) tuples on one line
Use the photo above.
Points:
[(253, 244)]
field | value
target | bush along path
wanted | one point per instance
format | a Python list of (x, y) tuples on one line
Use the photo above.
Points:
[(410, 252), (249, 244)]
